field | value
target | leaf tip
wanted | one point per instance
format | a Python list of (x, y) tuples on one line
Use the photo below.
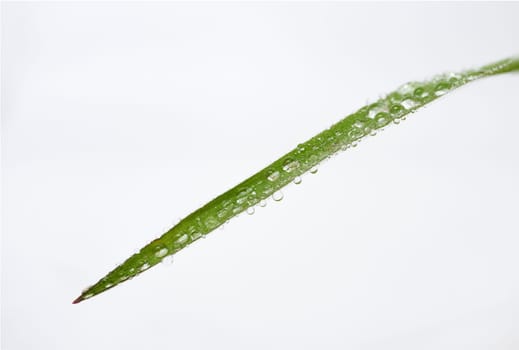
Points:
[(78, 300)]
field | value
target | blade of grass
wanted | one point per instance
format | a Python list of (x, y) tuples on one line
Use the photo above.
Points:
[(340, 136)]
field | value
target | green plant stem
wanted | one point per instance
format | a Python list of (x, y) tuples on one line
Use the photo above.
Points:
[(340, 136)]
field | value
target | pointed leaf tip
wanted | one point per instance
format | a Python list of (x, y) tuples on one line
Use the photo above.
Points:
[(78, 300)]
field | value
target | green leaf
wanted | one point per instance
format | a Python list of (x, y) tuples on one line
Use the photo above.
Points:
[(268, 181)]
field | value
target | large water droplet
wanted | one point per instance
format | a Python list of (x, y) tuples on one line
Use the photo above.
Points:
[(420, 92), (250, 210), (182, 239), (441, 88), (161, 252), (297, 180), (277, 196), (211, 222), (382, 119), (409, 103), (290, 165), (396, 109), (313, 170), (272, 175)]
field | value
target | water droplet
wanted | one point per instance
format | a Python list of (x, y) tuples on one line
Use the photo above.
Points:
[(354, 144), (250, 210), (297, 180), (123, 278), (420, 92), (277, 196), (358, 124), (290, 165), (272, 175), (409, 103), (211, 222), (441, 88), (144, 266), (396, 109), (88, 296), (382, 119), (108, 285), (196, 235), (263, 203), (161, 252), (182, 239), (313, 170)]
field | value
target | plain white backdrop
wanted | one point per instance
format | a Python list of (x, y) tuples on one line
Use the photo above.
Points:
[(120, 118)]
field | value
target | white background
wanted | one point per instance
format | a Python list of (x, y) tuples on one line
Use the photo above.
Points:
[(118, 119)]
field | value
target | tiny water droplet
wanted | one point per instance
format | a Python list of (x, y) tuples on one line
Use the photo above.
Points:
[(145, 266), (263, 203), (297, 180), (250, 210), (313, 170), (88, 296), (277, 196)]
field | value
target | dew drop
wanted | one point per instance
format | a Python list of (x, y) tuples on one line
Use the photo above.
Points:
[(88, 296), (211, 222), (313, 170), (250, 210), (420, 92), (297, 180), (273, 175), (290, 165), (182, 239), (382, 119), (441, 89), (277, 196), (161, 253), (409, 103), (196, 235), (263, 203), (144, 266), (395, 109)]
